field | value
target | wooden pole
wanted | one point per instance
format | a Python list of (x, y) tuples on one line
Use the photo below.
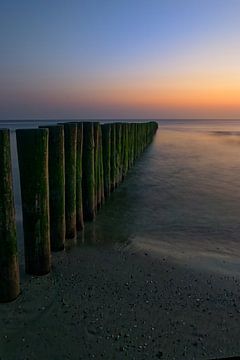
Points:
[(56, 171), (126, 150), (113, 157), (88, 172), (79, 201), (96, 164), (101, 199), (70, 135), (32, 145), (9, 269), (129, 145), (106, 152), (118, 153)]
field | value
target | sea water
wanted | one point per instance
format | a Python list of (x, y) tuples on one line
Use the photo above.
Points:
[(182, 198)]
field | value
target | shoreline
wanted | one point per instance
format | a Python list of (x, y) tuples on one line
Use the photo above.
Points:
[(114, 302), (158, 288)]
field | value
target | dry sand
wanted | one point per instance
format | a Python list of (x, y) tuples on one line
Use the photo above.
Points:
[(116, 302)]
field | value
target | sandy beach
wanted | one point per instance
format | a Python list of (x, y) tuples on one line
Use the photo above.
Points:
[(114, 302)]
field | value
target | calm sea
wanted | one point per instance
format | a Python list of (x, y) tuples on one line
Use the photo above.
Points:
[(181, 200)]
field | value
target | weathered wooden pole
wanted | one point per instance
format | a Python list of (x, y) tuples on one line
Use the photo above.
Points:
[(79, 201), (56, 173), (145, 135), (106, 152), (113, 157), (126, 150), (9, 269), (96, 164), (88, 172), (135, 141), (32, 145), (123, 149), (133, 125), (70, 136), (101, 167), (139, 140), (118, 152), (130, 145), (142, 138), (133, 144), (100, 191)]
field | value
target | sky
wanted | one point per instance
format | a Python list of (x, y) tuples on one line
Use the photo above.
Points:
[(119, 59)]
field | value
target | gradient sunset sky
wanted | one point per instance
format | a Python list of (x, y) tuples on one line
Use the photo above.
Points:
[(101, 59)]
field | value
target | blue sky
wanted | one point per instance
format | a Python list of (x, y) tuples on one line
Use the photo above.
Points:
[(90, 59)]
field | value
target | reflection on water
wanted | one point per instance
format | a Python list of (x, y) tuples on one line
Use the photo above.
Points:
[(181, 199)]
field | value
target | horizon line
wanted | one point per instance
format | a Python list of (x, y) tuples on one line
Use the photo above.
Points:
[(123, 119)]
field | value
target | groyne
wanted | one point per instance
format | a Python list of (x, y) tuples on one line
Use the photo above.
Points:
[(67, 172)]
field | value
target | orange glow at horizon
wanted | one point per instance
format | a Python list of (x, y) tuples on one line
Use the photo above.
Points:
[(195, 91), (147, 89), (191, 93)]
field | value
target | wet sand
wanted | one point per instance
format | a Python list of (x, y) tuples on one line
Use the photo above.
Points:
[(115, 302)]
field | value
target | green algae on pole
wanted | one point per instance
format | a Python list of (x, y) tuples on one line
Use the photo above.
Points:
[(56, 172), (70, 137), (125, 149), (101, 189), (79, 204), (118, 152), (113, 157), (106, 153), (88, 181), (129, 145), (96, 163), (9, 269), (32, 145), (135, 140), (132, 144), (100, 192)]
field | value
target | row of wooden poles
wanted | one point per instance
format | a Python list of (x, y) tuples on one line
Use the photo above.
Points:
[(66, 173)]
